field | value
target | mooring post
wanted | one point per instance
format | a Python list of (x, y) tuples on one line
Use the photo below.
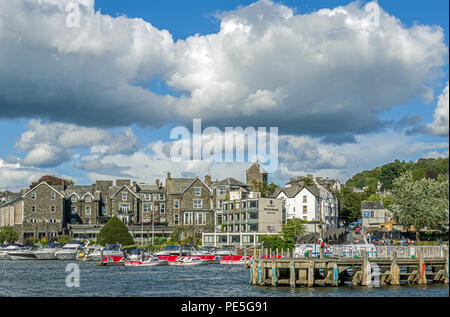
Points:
[(101, 255), (311, 273), (395, 270), (422, 269), (364, 268), (274, 273), (446, 266), (292, 275), (259, 272), (335, 274)]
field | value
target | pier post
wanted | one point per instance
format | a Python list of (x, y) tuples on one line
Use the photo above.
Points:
[(292, 275), (101, 255), (335, 274), (395, 270), (311, 274), (260, 269), (274, 273), (446, 266), (422, 269), (364, 268)]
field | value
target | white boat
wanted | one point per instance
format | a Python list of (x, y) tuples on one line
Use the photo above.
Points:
[(69, 251), (149, 261), (25, 253), (188, 261), (48, 252), (4, 252), (227, 250), (114, 250), (205, 251)]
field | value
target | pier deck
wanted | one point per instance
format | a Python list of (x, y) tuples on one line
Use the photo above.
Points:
[(362, 271)]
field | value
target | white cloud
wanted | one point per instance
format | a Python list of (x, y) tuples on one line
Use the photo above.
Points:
[(439, 126), (324, 73), (14, 177)]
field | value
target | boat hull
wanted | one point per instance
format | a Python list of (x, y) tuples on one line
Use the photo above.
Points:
[(139, 264), (66, 256), (45, 255), (16, 256)]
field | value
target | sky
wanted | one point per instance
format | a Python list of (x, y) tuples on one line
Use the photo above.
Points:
[(93, 90)]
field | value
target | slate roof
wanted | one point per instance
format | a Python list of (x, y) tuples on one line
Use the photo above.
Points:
[(178, 185), (372, 205), (230, 181), (291, 192)]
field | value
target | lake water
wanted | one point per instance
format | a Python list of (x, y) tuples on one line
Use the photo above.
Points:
[(48, 279)]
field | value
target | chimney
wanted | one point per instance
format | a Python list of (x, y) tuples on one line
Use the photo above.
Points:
[(168, 176), (208, 180), (135, 187), (157, 184)]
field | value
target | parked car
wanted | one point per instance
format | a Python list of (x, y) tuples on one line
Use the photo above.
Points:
[(353, 225)]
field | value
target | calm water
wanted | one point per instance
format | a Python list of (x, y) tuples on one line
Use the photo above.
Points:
[(47, 278)]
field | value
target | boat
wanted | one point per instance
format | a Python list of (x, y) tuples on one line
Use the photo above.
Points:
[(112, 261), (149, 261), (114, 250), (176, 250), (205, 251), (70, 251), (188, 261), (24, 253), (236, 259), (4, 251), (48, 252), (227, 250)]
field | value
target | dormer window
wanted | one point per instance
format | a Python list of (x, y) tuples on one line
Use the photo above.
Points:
[(74, 199), (87, 198)]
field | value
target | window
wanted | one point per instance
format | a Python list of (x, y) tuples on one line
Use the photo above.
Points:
[(162, 208), (74, 199), (148, 197), (243, 216), (161, 197), (219, 204), (52, 209), (176, 219), (53, 196), (237, 217), (222, 190), (155, 197), (124, 196), (188, 218), (73, 210), (104, 200), (244, 205), (104, 210), (33, 196), (305, 209), (88, 210), (147, 207), (200, 218), (197, 191), (237, 205), (198, 203), (305, 199), (253, 204), (236, 228), (32, 220), (230, 217), (176, 204), (125, 208), (33, 208), (87, 198), (209, 239)]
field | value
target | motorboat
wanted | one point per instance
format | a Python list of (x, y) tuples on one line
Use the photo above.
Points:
[(23, 253), (69, 251), (205, 251), (236, 259), (48, 252), (112, 250), (227, 250), (4, 251), (188, 261), (148, 261)]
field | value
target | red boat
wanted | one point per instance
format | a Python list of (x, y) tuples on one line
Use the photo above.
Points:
[(112, 261), (236, 259)]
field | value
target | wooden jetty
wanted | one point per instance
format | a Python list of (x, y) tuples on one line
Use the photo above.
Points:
[(361, 271)]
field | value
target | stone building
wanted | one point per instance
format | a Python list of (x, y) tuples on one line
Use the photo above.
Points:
[(256, 174), (43, 211)]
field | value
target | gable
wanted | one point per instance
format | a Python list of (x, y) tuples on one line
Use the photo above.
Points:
[(42, 183)]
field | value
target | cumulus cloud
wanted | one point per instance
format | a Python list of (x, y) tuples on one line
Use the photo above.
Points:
[(325, 73), (15, 177), (51, 144), (440, 124)]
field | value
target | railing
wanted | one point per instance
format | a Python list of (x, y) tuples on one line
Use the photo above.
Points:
[(354, 250)]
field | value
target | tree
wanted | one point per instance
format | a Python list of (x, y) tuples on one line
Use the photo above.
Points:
[(115, 232), (291, 229), (421, 204), (265, 189), (8, 235), (373, 198), (272, 242), (52, 180), (349, 204)]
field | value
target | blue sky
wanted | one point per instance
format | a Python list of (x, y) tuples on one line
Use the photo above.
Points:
[(401, 123)]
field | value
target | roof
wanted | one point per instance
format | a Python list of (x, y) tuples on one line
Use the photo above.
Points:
[(178, 185), (258, 166), (229, 181), (291, 192), (80, 191), (58, 188), (372, 205)]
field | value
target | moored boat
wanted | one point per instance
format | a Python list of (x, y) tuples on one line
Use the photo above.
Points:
[(148, 261), (114, 250), (4, 251), (188, 261), (69, 251), (24, 253), (48, 252), (236, 259)]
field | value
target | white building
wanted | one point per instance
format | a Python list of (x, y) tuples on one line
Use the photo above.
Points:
[(310, 203)]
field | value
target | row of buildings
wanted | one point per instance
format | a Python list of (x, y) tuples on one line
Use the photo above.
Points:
[(221, 212)]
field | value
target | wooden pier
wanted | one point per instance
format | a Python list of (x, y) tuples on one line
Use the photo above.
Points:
[(362, 271)]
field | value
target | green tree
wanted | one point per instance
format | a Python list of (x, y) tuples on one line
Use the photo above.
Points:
[(63, 239), (115, 232), (349, 204), (265, 189), (421, 204), (373, 198), (292, 229), (8, 235), (273, 242)]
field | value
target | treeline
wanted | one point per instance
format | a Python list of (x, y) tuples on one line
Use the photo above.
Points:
[(386, 174)]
